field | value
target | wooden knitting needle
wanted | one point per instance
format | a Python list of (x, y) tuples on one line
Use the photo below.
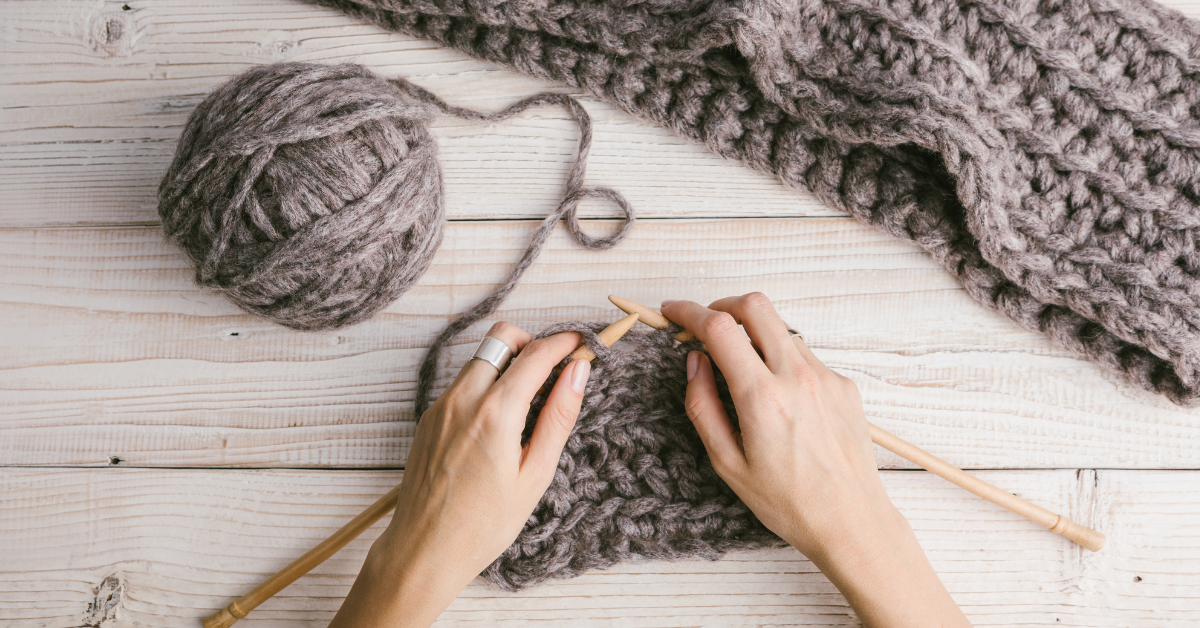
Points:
[(608, 336), (1086, 537), (240, 607), (649, 316)]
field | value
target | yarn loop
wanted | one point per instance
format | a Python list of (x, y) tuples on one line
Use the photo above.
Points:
[(311, 195), (1044, 153)]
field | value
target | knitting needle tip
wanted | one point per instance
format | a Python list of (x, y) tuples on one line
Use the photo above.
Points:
[(609, 335), (648, 316)]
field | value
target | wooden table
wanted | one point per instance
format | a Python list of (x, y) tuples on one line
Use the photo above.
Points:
[(163, 452)]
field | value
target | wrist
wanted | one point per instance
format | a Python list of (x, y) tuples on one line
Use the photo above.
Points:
[(407, 565), (859, 539), (876, 561), (844, 523), (400, 585)]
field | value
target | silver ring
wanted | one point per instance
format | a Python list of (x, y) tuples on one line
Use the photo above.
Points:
[(793, 333), (493, 351)]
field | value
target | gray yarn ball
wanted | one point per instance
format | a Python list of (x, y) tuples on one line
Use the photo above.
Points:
[(310, 195)]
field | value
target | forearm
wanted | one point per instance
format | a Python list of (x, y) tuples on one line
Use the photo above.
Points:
[(883, 572), (398, 588)]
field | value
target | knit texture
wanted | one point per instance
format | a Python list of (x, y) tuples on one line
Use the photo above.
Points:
[(311, 195), (1045, 153), (634, 481)]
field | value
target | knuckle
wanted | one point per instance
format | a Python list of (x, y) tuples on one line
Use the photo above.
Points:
[(719, 323), (757, 300), (755, 387), (829, 379), (693, 405), (512, 335), (560, 418), (537, 349), (808, 381), (449, 403), (503, 328), (851, 389)]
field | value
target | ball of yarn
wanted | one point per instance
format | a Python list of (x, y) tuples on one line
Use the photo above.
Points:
[(310, 195)]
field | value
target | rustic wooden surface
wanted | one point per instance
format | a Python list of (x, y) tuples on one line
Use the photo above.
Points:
[(111, 358), (183, 542)]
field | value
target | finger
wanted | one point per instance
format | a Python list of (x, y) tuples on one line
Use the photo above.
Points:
[(808, 355), (476, 376), (708, 414), (720, 333), (529, 370), (555, 422), (756, 314)]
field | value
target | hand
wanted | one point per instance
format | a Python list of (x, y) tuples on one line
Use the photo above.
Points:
[(469, 486), (803, 462)]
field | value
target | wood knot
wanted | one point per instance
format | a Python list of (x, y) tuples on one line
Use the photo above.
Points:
[(113, 29), (102, 611), (112, 32)]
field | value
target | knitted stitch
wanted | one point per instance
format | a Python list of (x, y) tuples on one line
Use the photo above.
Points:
[(1045, 153), (311, 195), (634, 481)]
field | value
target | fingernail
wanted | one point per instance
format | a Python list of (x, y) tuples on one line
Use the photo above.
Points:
[(693, 361), (668, 302), (579, 375)]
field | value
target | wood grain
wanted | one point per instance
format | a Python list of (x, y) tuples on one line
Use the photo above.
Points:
[(89, 125), (109, 355), (111, 350), (184, 542)]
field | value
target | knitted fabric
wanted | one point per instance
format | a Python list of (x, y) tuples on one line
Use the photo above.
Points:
[(1045, 153), (311, 195), (634, 481)]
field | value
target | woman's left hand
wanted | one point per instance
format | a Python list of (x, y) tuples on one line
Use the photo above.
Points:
[(469, 485)]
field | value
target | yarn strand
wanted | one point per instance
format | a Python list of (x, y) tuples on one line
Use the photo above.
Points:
[(1045, 154), (311, 195), (575, 192)]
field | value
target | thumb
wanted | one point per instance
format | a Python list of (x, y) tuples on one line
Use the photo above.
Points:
[(708, 414), (555, 422)]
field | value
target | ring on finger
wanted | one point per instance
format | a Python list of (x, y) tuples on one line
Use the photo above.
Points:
[(793, 333), (493, 351)]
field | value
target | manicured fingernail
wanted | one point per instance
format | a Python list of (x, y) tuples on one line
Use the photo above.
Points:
[(692, 363), (579, 375), (668, 302)]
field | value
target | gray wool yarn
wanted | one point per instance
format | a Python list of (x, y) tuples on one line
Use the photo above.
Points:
[(311, 195), (634, 481), (1045, 153)]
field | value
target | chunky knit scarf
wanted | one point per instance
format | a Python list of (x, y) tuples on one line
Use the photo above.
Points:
[(1045, 153)]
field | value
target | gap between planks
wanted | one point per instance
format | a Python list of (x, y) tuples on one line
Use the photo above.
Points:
[(112, 350), (183, 543)]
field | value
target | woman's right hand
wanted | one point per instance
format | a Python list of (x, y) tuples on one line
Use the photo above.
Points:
[(803, 462)]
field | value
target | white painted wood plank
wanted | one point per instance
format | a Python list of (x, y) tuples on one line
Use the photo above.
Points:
[(93, 98), (185, 542), (88, 126), (110, 349)]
